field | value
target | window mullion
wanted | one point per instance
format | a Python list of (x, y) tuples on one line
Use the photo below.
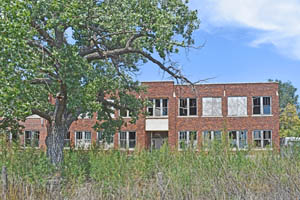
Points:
[(161, 107), (188, 106), (261, 105)]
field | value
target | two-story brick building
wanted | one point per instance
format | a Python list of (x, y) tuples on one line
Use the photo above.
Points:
[(182, 115)]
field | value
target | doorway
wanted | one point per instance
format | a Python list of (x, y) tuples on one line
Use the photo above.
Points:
[(158, 139)]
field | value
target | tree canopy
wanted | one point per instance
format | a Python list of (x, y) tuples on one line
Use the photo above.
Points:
[(81, 52), (289, 122), (287, 94)]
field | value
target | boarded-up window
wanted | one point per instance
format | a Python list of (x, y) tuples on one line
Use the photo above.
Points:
[(212, 106), (237, 106)]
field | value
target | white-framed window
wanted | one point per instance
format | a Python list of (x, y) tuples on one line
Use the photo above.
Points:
[(112, 115), (105, 140), (237, 106), (187, 139), (32, 138), (188, 107), (262, 138), (209, 136), (125, 113), (238, 139), (83, 139), (158, 108), (262, 105), (127, 139), (67, 139), (212, 106)]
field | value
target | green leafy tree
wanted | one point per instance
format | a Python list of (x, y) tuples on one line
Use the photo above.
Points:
[(79, 52), (287, 94), (289, 122)]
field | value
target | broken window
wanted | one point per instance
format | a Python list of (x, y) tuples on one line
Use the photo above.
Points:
[(187, 107), (187, 139), (238, 139), (83, 139), (32, 138), (127, 139), (261, 105), (212, 106), (237, 106), (105, 140), (158, 107), (262, 138), (209, 136)]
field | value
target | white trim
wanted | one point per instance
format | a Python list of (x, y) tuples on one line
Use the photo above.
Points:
[(126, 140), (262, 139), (187, 107), (262, 106), (187, 141), (83, 142)]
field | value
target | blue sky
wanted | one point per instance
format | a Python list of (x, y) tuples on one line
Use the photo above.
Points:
[(245, 41)]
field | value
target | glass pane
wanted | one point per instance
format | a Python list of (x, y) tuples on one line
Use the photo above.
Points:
[(78, 135), (256, 110), (165, 111), (100, 136), (123, 144), (207, 136), (267, 109), (257, 143), (193, 111), (157, 111), (183, 111), (256, 101), (165, 102), (233, 139), (150, 111), (157, 103), (218, 135), (193, 135), (88, 135), (193, 103), (267, 143), (182, 135), (267, 134), (123, 113), (131, 135), (266, 101), (243, 139), (131, 143), (256, 135), (27, 134), (123, 135), (183, 103)]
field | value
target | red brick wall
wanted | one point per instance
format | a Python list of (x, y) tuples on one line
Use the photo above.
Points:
[(198, 123)]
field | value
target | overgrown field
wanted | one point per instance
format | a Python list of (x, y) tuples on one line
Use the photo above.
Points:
[(164, 174)]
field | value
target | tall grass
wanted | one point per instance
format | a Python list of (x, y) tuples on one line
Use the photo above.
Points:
[(164, 174)]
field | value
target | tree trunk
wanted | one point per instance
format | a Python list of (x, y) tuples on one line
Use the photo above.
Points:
[(55, 143)]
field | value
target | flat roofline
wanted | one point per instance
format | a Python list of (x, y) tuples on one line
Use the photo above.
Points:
[(233, 83)]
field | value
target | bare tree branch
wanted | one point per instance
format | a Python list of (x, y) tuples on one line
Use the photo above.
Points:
[(44, 34), (41, 114)]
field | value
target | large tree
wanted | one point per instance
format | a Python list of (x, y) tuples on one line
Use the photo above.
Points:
[(287, 94), (79, 52)]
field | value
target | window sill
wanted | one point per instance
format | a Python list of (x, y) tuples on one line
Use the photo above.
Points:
[(262, 115), (212, 116), (192, 116), (123, 149), (262, 149), (157, 117), (235, 116)]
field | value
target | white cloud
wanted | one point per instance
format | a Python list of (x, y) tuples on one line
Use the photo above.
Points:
[(276, 22)]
